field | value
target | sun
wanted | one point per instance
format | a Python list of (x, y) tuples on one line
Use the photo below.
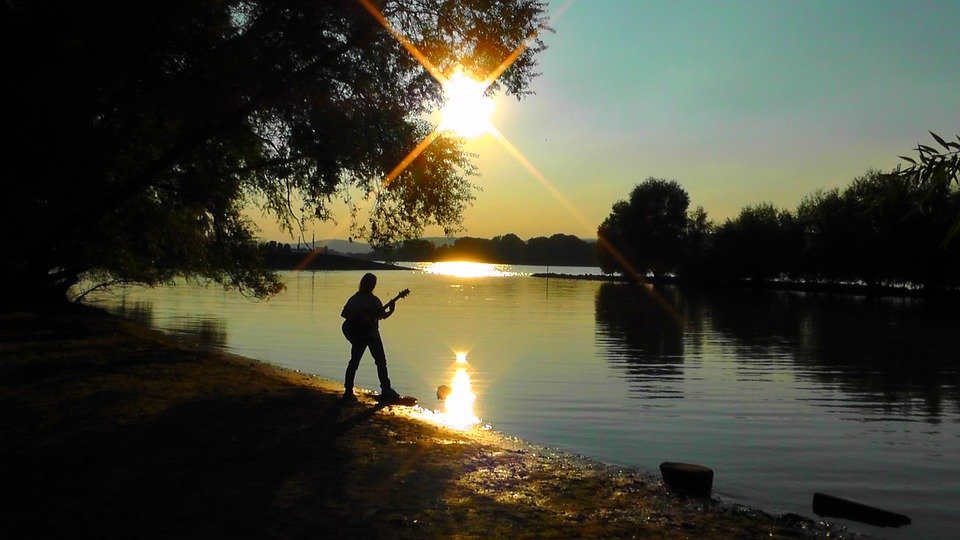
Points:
[(467, 111)]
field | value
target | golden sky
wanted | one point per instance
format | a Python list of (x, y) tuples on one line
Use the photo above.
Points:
[(741, 103)]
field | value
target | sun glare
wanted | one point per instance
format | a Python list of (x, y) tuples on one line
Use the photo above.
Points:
[(458, 399), (459, 404), (467, 111)]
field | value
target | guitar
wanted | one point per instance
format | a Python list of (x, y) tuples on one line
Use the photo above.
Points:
[(356, 329), (402, 294)]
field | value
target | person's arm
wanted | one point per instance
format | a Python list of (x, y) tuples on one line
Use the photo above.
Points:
[(389, 309)]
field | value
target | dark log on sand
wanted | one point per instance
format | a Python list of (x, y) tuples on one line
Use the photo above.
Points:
[(687, 478), (829, 506)]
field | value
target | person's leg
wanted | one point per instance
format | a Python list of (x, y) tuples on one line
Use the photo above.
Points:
[(356, 352), (380, 359)]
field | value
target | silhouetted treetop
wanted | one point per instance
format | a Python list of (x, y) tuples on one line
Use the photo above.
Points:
[(649, 229), (883, 229)]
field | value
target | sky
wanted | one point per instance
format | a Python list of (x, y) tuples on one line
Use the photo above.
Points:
[(741, 102)]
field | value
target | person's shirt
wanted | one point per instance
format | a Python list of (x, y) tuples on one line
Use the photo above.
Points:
[(365, 307)]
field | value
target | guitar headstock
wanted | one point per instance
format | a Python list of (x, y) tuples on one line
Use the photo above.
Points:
[(404, 293)]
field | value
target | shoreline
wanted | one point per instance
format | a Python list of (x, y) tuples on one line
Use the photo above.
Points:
[(116, 428)]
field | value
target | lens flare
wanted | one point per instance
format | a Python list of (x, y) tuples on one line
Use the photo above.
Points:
[(467, 111), (461, 357)]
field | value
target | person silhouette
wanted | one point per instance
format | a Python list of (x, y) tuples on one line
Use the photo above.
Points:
[(362, 314)]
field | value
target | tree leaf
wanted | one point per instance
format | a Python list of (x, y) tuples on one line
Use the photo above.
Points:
[(905, 158), (940, 140)]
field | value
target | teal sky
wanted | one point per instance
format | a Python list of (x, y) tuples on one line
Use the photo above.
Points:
[(740, 102)]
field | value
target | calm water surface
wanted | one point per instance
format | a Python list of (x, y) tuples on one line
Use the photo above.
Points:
[(782, 394)]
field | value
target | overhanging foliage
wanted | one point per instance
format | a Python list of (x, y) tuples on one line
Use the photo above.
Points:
[(142, 129)]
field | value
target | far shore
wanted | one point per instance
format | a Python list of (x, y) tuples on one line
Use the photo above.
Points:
[(319, 260), (113, 429)]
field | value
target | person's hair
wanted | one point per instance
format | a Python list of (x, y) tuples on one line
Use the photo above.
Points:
[(368, 282)]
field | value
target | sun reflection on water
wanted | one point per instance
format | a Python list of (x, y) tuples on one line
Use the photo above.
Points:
[(458, 405), (466, 269)]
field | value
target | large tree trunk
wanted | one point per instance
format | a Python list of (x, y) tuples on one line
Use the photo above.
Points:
[(37, 286)]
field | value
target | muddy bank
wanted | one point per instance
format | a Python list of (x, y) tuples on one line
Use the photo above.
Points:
[(111, 429)]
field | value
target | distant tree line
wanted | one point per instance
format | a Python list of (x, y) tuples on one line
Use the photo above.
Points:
[(273, 247), (558, 249), (882, 229)]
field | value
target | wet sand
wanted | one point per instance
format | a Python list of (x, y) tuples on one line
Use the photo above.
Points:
[(111, 429)]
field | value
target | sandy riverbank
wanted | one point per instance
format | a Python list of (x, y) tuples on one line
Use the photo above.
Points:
[(110, 429)]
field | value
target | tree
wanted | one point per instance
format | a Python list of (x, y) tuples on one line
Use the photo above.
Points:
[(937, 170), (510, 248), (141, 130), (836, 231), (698, 247), (761, 243), (648, 231), (472, 249), (569, 250), (901, 227), (417, 250)]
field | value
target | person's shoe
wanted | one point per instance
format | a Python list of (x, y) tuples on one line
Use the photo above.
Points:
[(349, 397), (389, 396)]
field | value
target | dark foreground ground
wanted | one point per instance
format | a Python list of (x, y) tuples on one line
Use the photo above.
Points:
[(111, 430)]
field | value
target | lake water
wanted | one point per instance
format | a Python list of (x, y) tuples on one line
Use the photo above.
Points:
[(782, 394)]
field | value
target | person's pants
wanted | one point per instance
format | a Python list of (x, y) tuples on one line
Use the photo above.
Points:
[(357, 348)]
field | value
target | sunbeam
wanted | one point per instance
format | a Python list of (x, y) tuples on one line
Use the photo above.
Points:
[(405, 162), (512, 150), (625, 264), (440, 77), (407, 44)]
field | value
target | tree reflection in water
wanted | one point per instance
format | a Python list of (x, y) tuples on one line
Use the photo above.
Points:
[(638, 336), (207, 331), (892, 356), (140, 311), (888, 356)]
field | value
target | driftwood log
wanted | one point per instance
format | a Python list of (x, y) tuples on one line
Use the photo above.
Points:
[(687, 478), (830, 506)]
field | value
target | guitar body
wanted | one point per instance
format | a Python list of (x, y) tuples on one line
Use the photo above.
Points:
[(356, 330)]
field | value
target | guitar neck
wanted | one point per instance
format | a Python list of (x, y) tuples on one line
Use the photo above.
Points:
[(402, 294)]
